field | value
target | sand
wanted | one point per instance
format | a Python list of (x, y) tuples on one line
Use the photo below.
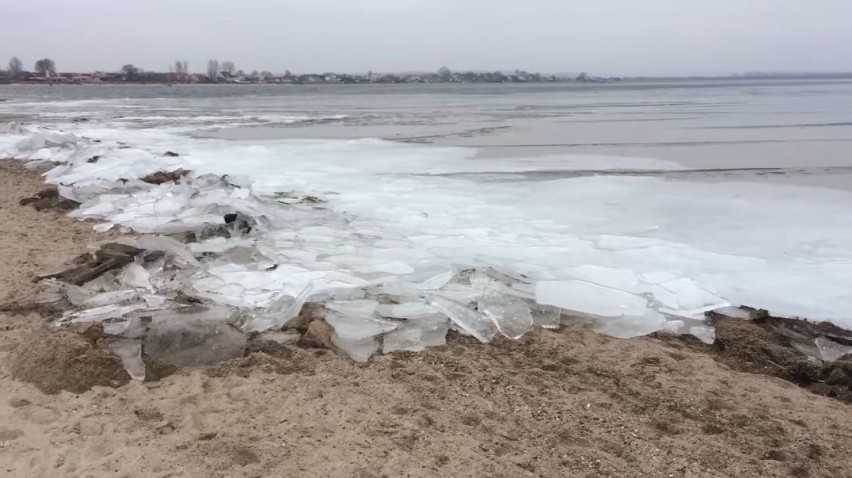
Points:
[(555, 404)]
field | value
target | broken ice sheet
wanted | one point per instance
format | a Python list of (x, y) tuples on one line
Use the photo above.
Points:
[(219, 245), (134, 275), (682, 297), (459, 293), (99, 314), (588, 298), (130, 352), (546, 316), (626, 327), (393, 267), (353, 308), (416, 336), (471, 321), (437, 281), (109, 298), (734, 313), (76, 295), (406, 310), (481, 282), (831, 351), (511, 315), (167, 244), (703, 333), (359, 350), (358, 327)]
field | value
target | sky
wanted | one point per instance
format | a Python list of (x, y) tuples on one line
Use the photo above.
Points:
[(602, 37)]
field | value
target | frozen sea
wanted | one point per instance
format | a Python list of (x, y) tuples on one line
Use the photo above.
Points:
[(638, 202)]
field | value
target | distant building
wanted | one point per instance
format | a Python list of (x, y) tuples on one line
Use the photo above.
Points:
[(85, 79)]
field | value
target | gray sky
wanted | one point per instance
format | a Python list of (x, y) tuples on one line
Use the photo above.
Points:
[(605, 37)]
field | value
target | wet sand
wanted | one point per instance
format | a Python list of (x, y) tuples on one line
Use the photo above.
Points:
[(564, 403)]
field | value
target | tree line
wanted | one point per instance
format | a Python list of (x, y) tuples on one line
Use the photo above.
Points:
[(227, 71), (44, 67), (178, 71)]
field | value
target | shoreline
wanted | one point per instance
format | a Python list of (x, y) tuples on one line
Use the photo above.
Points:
[(616, 407)]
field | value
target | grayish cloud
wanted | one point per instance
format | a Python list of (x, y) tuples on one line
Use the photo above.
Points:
[(612, 37)]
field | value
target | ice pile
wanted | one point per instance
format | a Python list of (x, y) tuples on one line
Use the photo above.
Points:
[(390, 267)]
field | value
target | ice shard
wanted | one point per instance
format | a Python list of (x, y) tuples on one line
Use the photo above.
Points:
[(359, 350), (471, 321), (511, 315), (130, 353), (416, 336)]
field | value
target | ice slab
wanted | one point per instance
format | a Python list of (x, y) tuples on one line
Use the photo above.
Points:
[(357, 327), (734, 312), (630, 326), (130, 353), (353, 308), (831, 351), (358, 349), (472, 322), (546, 316), (703, 333), (134, 275), (192, 343), (109, 298), (167, 244), (100, 314), (416, 336), (511, 315), (459, 293), (589, 298), (76, 295), (682, 297), (407, 310), (437, 281)]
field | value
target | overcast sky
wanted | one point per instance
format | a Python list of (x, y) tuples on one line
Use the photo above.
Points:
[(603, 37)]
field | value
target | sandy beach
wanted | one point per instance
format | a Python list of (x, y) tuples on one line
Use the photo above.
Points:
[(556, 403)]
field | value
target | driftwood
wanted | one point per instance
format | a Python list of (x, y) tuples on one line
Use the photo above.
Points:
[(91, 265), (49, 198)]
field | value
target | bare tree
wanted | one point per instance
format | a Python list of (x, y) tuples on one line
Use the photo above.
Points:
[(45, 67), (16, 67), (181, 70), (266, 75), (445, 74), (229, 68), (213, 70)]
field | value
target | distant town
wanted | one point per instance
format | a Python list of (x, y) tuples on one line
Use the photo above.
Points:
[(44, 71)]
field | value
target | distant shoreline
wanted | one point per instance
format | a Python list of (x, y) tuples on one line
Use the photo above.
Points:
[(623, 82), (474, 78)]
